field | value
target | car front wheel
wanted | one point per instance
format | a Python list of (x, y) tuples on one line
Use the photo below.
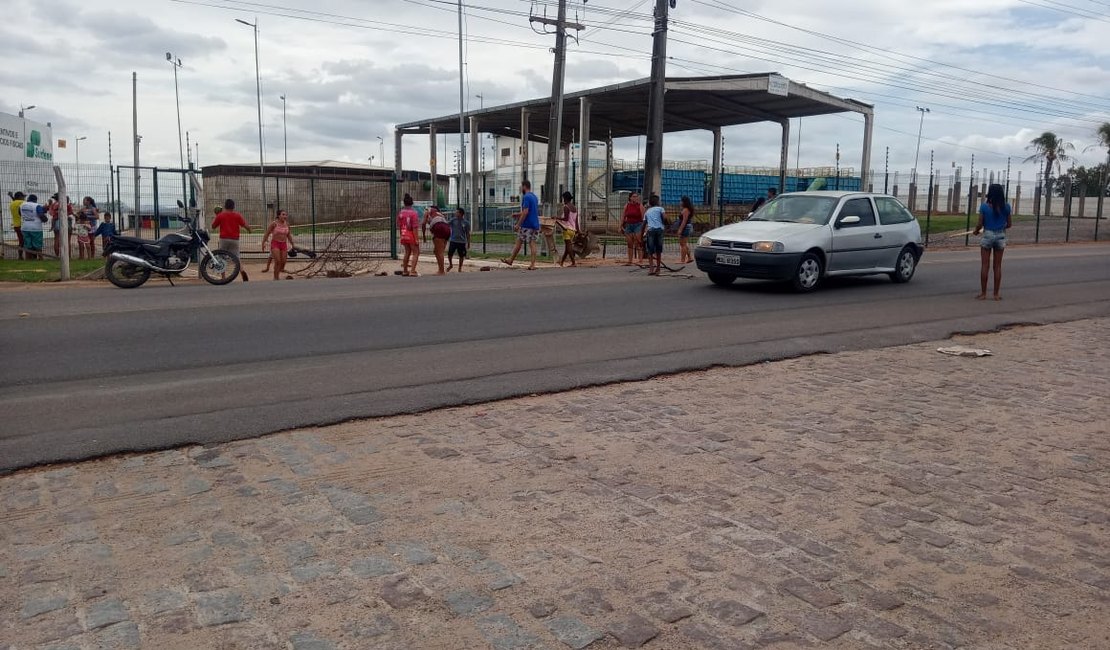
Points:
[(905, 266), (722, 279), (808, 274)]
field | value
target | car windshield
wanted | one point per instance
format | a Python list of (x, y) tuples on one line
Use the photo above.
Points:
[(797, 208)]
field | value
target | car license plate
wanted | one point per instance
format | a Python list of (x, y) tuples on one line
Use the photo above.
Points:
[(731, 260)]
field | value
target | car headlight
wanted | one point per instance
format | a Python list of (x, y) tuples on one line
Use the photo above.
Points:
[(704, 241), (768, 247)]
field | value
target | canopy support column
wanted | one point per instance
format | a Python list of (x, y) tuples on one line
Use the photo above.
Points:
[(784, 154), (865, 164), (583, 198), (715, 188)]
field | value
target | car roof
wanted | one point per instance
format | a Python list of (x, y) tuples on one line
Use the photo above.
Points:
[(835, 194)]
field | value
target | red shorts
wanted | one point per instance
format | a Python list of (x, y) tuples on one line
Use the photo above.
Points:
[(441, 230), (279, 245)]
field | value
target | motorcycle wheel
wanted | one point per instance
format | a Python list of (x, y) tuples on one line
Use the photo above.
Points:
[(221, 267), (126, 275)]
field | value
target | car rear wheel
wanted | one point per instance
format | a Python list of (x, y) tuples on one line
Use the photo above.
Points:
[(905, 266), (722, 279), (808, 274)]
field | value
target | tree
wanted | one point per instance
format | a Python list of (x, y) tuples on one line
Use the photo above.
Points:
[(1088, 178), (1102, 134), (1053, 149)]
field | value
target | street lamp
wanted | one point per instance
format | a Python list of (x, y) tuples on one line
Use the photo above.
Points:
[(917, 156), (284, 134), (258, 87), (381, 150), (176, 63), (23, 109), (481, 102), (77, 144)]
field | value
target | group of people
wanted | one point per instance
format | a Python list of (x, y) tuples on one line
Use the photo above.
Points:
[(448, 235), (30, 220), (644, 226), (279, 236)]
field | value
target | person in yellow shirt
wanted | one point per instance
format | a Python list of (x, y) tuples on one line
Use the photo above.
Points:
[(17, 220)]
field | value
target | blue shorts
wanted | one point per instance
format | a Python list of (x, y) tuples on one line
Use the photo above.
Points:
[(653, 241), (633, 228), (32, 240), (993, 240), (688, 231)]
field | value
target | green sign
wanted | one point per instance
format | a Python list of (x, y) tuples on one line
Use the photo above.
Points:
[(35, 148)]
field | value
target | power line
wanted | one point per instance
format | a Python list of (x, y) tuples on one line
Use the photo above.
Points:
[(1068, 9), (722, 5)]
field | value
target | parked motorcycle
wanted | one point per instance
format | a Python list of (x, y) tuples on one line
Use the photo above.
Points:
[(131, 260)]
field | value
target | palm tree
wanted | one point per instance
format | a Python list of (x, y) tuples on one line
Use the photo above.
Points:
[(1053, 149)]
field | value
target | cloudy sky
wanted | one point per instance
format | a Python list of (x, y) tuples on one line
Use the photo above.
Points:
[(994, 73)]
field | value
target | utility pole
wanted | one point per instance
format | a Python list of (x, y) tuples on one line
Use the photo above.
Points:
[(653, 150), (462, 123), (555, 110)]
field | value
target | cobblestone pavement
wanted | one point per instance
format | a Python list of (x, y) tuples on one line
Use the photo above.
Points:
[(893, 498)]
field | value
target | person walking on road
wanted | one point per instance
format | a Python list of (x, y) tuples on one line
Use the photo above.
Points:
[(527, 224), (441, 232), (632, 225), (569, 222), (685, 229), (995, 218), (460, 239), (281, 243), (656, 221), (408, 223), (230, 223), (17, 219)]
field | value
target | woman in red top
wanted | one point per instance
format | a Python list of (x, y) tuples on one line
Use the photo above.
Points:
[(632, 221), (408, 223), (282, 242)]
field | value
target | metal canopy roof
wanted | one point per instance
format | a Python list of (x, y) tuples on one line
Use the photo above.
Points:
[(692, 103)]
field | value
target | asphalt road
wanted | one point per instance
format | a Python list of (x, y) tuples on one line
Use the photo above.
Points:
[(93, 370)]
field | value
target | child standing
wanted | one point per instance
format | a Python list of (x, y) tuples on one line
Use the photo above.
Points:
[(106, 230), (408, 222), (569, 222), (460, 238), (84, 238), (652, 237)]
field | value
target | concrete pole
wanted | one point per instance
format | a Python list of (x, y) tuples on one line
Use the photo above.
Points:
[(63, 223), (135, 161), (474, 198), (432, 163), (566, 172), (715, 188), (865, 164), (608, 177), (653, 151), (583, 198), (524, 135), (784, 154), (550, 195)]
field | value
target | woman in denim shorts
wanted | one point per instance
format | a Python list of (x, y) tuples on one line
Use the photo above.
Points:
[(685, 230), (995, 218), (632, 224)]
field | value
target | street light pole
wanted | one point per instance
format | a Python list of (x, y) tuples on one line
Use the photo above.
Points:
[(176, 63), (381, 150), (23, 109), (481, 102), (258, 87), (284, 134), (917, 155), (77, 144)]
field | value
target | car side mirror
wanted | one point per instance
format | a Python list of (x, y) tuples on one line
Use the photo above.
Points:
[(847, 221)]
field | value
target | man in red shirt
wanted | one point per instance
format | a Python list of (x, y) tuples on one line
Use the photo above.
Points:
[(229, 222)]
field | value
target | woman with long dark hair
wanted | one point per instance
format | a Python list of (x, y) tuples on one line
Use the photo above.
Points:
[(685, 229), (995, 218)]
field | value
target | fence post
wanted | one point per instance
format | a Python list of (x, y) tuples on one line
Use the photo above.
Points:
[(393, 209), (1067, 209), (485, 210), (929, 210), (119, 212), (312, 204), (970, 201), (157, 212)]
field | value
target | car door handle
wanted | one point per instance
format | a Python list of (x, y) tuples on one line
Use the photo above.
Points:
[(878, 236)]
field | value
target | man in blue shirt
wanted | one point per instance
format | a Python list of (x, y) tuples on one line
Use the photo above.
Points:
[(652, 236), (527, 224)]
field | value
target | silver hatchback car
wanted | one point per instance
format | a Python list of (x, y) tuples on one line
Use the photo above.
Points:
[(803, 237)]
